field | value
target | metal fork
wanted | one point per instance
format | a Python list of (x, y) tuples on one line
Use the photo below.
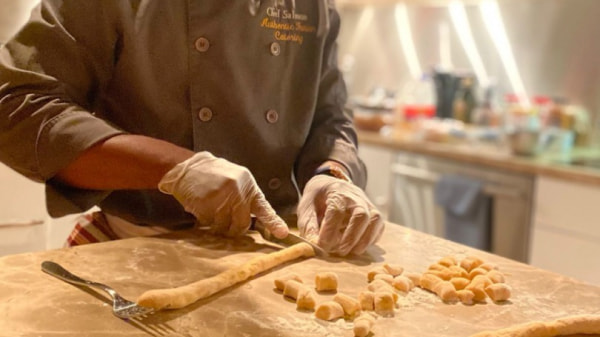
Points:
[(121, 307)]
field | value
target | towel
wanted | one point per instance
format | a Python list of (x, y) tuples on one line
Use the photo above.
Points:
[(466, 210)]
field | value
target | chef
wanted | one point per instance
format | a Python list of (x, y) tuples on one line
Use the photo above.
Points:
[(173, 114)]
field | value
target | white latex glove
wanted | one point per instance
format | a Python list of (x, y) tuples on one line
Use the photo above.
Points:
[(220, 194), (338, 216)]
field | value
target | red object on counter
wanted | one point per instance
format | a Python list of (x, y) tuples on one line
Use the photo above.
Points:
[(413, 111)]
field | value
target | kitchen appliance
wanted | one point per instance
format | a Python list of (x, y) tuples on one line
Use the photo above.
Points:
[(412, 201)]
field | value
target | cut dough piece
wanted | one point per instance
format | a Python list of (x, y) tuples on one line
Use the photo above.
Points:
[(481, 279), (488, 266), (445, 290), (380, 286), (180, 297), (476, 272), (393, 269), (350, 305), (445, 274), (326, 281), (385, 277), (478, 291), (572, 325), (457, 271), (414, 277), (495, 276), (437, 266), (367, 300), (459, 283), (280, 282), (447, 261), (402, 283), (329, 311), (465, 296), (384, 303), (292, 289), (429, 281), (363, 325), (470, 262), (377, 270), (498, 292), (307, 299)]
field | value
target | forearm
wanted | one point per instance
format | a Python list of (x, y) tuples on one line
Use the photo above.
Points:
[(123, 162)]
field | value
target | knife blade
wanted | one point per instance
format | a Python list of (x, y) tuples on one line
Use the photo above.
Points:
[(289, 240)]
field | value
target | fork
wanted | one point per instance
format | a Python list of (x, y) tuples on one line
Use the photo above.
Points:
[(122, 308)]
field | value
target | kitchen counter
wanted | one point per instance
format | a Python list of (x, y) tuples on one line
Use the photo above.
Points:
[(550, 166), (35, 304)]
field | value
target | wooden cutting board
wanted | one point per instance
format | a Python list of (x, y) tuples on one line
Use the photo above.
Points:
[(35, 304)]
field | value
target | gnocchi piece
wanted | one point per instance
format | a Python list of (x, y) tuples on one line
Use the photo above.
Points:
[(385, 277), (445, 290), (367, 300), (459, 283), (363, 325), (443, 274), (382, 286), (307, 299), (326, 281), (478, 291), (476, 272), (489, 266), (414, 277), (280, 282), (292, 289), (447, 261), (457, 271), (498, 292), (350, 305), (393, 270), (437, 266), (384, 303), (329, 311), (470, 262), (465, 296), (429, 281), (375, 271), (402, 283), (482, 279), (495, 276)]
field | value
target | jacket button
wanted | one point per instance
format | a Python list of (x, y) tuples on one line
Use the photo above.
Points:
[(274, 183), (205, 114), (272, 116), (202, 44), (275, 48)]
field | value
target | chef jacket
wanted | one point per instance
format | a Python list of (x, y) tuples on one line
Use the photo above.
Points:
[(254, 82)]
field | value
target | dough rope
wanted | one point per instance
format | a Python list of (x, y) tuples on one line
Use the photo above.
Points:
[(583, 324), (180, 297)]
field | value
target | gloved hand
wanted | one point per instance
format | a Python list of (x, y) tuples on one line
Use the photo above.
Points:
[(220, 194), (338, 216)]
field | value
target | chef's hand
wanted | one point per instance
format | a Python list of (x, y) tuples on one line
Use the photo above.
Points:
[(338, 216), (220, 194)]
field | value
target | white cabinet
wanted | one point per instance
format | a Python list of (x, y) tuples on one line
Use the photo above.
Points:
[(566, 228), (378, 161), (22, 214)]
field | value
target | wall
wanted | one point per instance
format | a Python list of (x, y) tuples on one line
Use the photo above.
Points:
[(24, 223)]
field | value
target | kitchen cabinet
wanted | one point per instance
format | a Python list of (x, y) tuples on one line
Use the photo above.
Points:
[(378, 161), (402, 185), (566, 228)]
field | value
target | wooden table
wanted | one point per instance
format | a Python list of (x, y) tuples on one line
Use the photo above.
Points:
[(35, 304)]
